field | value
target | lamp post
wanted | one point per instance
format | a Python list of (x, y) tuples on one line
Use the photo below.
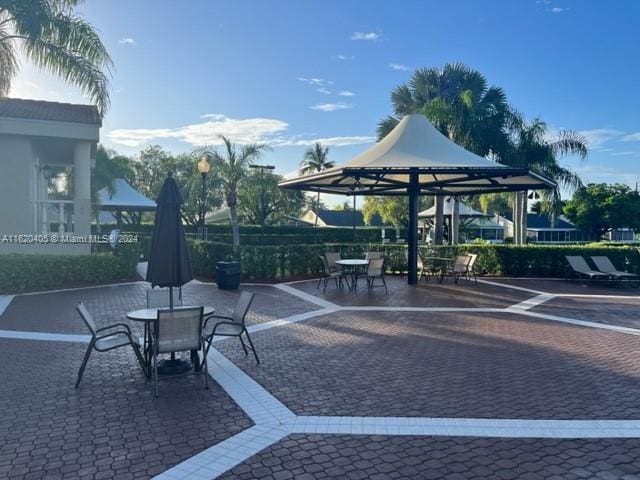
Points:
[(262, 168), (203, 168)]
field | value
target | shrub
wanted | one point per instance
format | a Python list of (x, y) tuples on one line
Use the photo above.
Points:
[(24, 272), (281, 262)]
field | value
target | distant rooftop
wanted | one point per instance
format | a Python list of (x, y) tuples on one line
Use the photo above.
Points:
[(49, 111), (540, 221), (344, 218)]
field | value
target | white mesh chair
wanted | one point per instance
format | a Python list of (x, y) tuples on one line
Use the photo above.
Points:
[(328, 274), (373, 255), (470, 267), (177, 330), (581, 269), (458, 269), (375, 269), (233, 326), (107, 338), (159, 298), (332, 258)]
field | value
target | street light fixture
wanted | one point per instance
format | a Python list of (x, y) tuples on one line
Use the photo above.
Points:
[(262, 168), (204, 168)]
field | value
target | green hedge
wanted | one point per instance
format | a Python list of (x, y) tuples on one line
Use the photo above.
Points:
[(296, 261), (23, 272)]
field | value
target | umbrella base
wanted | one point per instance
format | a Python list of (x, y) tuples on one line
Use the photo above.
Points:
[(173, 367)]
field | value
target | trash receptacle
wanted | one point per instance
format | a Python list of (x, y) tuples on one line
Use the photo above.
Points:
[(228, 275)]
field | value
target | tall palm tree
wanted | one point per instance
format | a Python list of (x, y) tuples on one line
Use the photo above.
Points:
[(458, 101), (532, 146), (316, 160), (52, 36), (232, 166)]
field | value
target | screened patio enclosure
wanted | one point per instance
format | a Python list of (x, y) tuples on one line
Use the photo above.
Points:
[(416, 159)]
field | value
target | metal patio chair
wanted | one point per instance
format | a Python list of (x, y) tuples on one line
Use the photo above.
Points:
[(107, 338), (458, 269), (233, 326), (375, 269), (329, 274), (373, 255), (178, 330), (471, 272)]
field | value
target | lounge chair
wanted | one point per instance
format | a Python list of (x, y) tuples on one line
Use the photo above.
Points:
[(178, 330), (581, 269), (106, 338), (603, 264), (233, 326), (375, 269)]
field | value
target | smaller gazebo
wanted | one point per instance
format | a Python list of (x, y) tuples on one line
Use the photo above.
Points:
[(466, 215), (124, 199)]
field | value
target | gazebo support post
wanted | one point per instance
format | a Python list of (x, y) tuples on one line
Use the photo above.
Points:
[(412, 235)]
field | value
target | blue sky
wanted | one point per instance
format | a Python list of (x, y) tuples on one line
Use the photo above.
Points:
[(291, 72)]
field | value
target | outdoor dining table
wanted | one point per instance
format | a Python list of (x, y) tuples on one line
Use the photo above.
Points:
[(436, 263), (352, 267), (148, 316)]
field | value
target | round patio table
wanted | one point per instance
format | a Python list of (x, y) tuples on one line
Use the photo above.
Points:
[(148, 315), (352, 267)]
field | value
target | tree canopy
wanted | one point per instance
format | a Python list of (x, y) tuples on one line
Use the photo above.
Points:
[(601, 207)]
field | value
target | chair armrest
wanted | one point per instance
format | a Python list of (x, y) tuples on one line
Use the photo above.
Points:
[(110, 334), (209, 317), (221, 323), (113, 325)]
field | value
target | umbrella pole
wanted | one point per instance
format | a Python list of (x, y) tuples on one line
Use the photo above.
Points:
[(412, 234), (173, 354)]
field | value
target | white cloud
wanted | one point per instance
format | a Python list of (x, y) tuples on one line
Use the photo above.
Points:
[(596, 137), (331, 107), (127, 41), (399, 66), (330, 141), (367, 36), (346, 93), (344, 57), (323, 90), (557, 10), (624, 154), (632, 137), (316, 82), (213, 116), (242, 131)]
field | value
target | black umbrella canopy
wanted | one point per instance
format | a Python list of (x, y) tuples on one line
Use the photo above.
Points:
[(168, 258)]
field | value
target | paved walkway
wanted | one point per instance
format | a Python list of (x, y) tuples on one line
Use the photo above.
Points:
[(496, 380)]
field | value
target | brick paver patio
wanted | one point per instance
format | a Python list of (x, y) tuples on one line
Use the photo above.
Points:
[(504, 362)]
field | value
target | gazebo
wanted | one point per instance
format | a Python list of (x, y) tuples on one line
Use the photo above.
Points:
[(123, 198), (465, 213), (416, 159)]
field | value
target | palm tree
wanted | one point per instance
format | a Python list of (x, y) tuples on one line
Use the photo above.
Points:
[(533, 147), (52, 36), (316, 160), (231, 166), (459, 103)]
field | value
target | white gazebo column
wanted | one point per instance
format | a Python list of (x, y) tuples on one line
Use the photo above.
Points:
[(82, 186)]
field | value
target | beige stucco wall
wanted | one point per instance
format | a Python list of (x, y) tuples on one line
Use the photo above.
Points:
[(16, 163)]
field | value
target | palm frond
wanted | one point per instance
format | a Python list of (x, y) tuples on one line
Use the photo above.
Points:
[(385, 126)]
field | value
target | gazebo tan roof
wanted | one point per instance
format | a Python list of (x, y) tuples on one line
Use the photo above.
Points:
[(464, 211), (416, 146)]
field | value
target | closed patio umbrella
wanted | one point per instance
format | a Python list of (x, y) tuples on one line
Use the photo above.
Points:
[(168, 257)]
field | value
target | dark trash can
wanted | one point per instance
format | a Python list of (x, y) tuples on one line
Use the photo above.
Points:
[(228, 275)]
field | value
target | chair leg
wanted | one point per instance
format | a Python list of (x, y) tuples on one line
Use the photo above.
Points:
[(319, 282), (155, 375), (244, 347), (384, 282), (206, 368), (324, 289), (253, 349), (136, 349), (84, 363)]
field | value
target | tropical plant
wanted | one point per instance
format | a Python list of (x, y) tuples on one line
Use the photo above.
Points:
[(600, 207), (52, 36), (231, 166), (532, 146), (316, 160), (261, 200), (459, 103)]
